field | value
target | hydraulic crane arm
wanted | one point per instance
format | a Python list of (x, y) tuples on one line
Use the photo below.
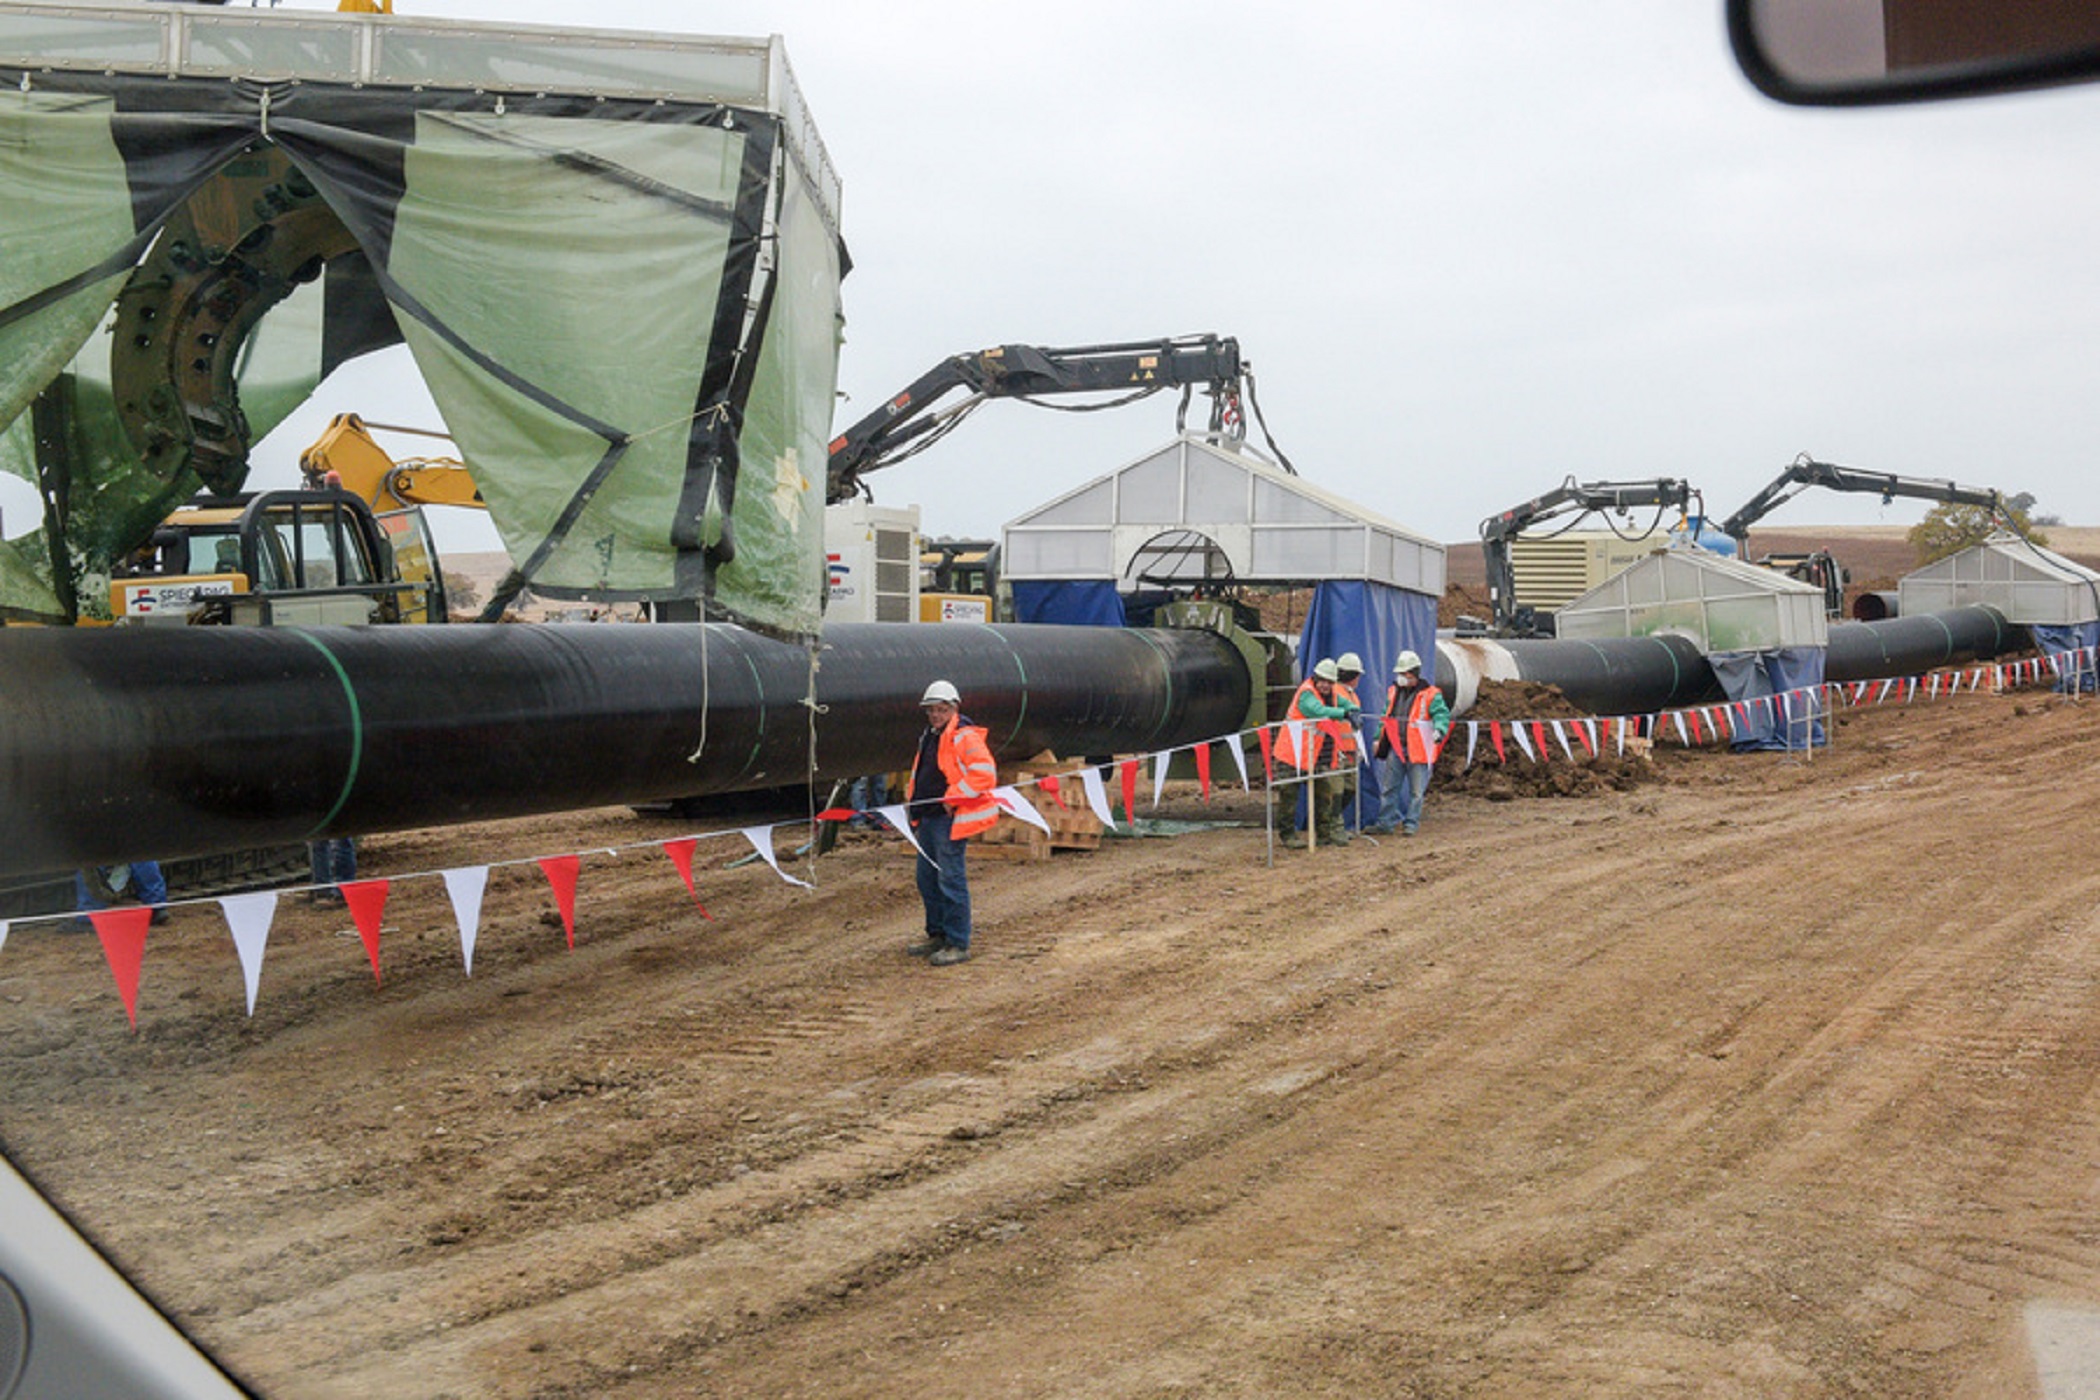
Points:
[(1805, 471), (1584, 497), (908, 422)]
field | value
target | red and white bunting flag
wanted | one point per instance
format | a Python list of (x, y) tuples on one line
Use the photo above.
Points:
[(1495, 734), (761, 839), (1562, 735), (1976, 680), (562, 873), (1589, 729), (367, 901), (1538, 732), (1049, 783), (1472, 739), (464, 887), (1127, 771), (1881, 695), (123, 935), (248, 919), (3, 933), (894, 814), (1202, 753), (1698, 730), (1020, 807), (1296, 731), (1238, 751), (1159, 775), (1932, 691), (1910, 690), (1267, 739), (1516, 731), (1622, 736), (1097, 795), (1682, 737), (680, 851)]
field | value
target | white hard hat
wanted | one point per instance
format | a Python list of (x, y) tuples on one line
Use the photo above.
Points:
[(1326, 671), (1349, 661), (940, 692), (1406, 661)]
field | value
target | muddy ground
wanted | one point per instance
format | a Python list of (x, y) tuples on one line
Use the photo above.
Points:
[(1760, 1077)]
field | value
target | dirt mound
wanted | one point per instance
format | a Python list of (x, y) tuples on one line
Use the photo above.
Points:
[(1504, 774)]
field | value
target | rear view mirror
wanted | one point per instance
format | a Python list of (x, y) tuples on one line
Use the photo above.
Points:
[(1837, 53)]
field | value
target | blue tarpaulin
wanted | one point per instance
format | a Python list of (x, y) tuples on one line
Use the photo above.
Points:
[(1074, 603), (1376, 621), (1793, 673), (2054, 641)]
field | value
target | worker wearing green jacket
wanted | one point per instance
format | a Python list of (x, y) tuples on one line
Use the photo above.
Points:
[(1312, 750)]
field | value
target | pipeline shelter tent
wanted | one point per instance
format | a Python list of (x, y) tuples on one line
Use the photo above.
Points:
[(2056, 599), (1196, 515), (615, 259), (1764, 634)]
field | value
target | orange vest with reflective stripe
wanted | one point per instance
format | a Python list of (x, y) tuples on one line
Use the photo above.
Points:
[(1345, 752), (1286, 748), (966, 762), (1417, 730)]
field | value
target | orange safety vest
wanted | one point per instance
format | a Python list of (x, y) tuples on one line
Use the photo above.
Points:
[(966, 762), (1286, 747), (1417, 731), (1345, 742)]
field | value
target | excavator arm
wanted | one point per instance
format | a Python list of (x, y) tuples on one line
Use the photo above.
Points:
[(912, 420), (362, 467), (1805, 471), (1582, 497)]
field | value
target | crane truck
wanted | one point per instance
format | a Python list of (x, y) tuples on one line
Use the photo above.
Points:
[(1819, 567), (1511, 618)]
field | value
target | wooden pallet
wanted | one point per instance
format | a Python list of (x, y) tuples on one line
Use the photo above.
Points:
[(1073, 826)]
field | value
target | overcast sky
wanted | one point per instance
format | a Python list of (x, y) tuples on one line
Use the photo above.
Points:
[(1469, 248)]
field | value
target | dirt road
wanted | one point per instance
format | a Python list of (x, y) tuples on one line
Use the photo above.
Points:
[(1764, 1078)]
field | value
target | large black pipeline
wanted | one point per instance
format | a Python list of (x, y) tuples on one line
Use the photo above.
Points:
[(1639, 675), (123, 744)]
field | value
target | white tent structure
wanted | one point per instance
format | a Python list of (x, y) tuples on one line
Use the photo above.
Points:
[(1193, 511), (2029, 584), (1723, 604)]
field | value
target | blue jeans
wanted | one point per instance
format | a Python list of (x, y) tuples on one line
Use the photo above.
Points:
[(334, 860), (944, 882), (146, 886), (1401, 787)]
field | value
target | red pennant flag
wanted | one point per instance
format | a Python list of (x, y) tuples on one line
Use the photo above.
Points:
[(680, 850), (561, 872), (1582, 732), (367, 901), (1203, 769), (123, 935), (1538, 732), (1268, 762), (837, 814), (1051, 785), (1128, 770), (1495, 733), (1698, 735)]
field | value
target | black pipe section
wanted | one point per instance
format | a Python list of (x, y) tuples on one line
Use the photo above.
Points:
[(124, 744), (1629, 675), (1905, 646), (1877, 606), (1640, 675)]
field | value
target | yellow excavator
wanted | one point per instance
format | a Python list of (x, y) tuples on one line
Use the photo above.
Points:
[(347, 451)]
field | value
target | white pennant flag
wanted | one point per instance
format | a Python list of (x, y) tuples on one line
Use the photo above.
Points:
[(761, 839), (897, 817), (1097, 796), (1239, 756), (248, 917), (1682, 737), (3, 933), (1562, 735), (465, 887), (1516, 731), (1296, 729), (1589, 727), (1472, 738), (1020, 807), (1622, 736), (1159, 776)]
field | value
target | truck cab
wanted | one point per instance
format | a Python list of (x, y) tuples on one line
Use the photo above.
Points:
[(278, 558)]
